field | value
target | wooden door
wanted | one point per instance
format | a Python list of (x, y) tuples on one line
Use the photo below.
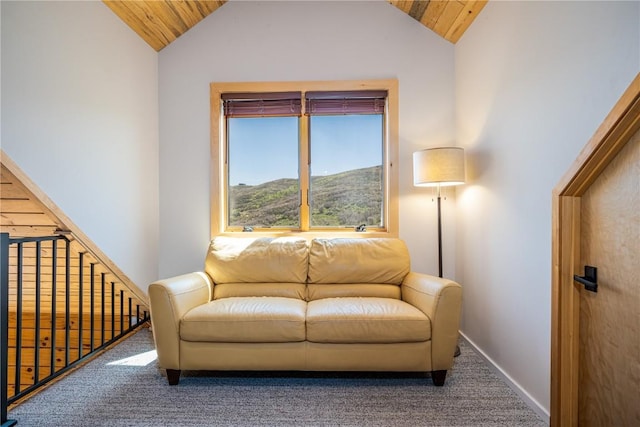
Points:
[(595, 338), (609, 354)]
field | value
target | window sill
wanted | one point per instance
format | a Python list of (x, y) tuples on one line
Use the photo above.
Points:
[(336, 233)]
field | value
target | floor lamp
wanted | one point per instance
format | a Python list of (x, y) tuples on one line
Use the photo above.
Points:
[(439, 167)]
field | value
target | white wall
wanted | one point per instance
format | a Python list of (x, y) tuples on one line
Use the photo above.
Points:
[(533, 82), (286, 41), (80, 118)]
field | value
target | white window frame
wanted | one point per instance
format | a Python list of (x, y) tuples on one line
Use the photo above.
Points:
[(218, 156)]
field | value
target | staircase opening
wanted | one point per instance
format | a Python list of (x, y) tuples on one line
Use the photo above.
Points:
[(62, 300)]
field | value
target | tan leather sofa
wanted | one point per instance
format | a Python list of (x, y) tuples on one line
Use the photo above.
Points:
[(289, 304)]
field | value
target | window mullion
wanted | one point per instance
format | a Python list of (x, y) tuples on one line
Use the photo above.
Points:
[(304, 175)]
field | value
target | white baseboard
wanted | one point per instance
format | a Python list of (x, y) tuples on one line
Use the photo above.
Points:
[(524, 395)]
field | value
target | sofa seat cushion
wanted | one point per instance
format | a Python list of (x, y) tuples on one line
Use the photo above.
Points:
[(365, 320), (286, 290), (343, 290), (246, 319)]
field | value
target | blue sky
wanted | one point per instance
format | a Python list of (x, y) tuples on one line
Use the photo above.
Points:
[(265, 149)]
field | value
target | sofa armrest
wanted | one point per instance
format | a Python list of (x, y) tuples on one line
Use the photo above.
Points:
[(169, 300), (441, 300)]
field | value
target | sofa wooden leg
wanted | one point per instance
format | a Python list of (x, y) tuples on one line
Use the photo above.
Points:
[(173, 376), (438, 377)]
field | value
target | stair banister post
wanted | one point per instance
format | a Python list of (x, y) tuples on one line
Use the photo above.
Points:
[(4, 329)]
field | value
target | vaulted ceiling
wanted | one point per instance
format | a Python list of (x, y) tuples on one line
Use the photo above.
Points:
[(159, 22)]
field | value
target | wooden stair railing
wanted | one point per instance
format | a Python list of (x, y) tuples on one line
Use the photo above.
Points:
[(62, 298)]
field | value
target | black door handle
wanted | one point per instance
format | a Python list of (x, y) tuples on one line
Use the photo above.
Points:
[(590, 278)]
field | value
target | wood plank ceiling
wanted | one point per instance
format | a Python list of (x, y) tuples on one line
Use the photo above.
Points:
[(159, 22)]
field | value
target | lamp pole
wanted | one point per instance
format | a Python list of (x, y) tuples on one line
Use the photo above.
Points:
[(439, 235)]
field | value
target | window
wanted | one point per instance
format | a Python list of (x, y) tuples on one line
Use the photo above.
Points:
[(304, 157)]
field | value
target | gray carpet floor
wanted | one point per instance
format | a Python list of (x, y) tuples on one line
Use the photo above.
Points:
[(120, 389)]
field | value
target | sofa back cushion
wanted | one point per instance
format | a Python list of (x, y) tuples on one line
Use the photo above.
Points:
[(366, 267), (245, 266)]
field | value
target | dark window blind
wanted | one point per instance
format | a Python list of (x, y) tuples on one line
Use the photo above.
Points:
[(262, 104), (316, 103), (345, 102)]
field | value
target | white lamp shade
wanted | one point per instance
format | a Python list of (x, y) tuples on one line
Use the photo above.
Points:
[(438, 166)]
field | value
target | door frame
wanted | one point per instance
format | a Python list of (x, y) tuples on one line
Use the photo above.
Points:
[(617, 129)]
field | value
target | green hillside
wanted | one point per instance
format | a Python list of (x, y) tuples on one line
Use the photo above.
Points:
[(344, 199)]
